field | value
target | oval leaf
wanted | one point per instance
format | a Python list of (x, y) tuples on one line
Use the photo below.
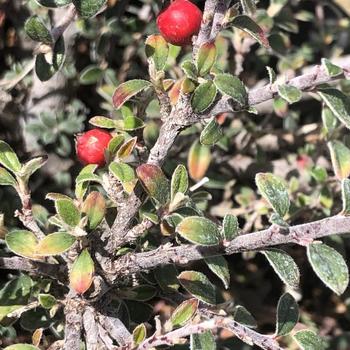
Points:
[(68, 212), (157, 50), (88, 8), (184, 313), (37, 31), (202, 341), (206, 58), (22, 243), (139, 334), (199, 158), (203, 97), (287, 314), (308, 340), (6, 179), (211, 134), (55, 244), (94, 207), (340, 156), (21, 347), (179, 181), (219, 266), (290, 93), (230, 227), (8, 157), (82, 271), (229, 85)]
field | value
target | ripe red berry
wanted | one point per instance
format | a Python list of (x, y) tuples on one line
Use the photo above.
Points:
[(179, 22), (91, 146)]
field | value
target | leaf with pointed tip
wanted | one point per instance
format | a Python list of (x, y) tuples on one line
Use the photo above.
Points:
[(190, 69), (202, 341), (184, 313), (8, 158), (126, 148), (139, 334), (82, 271), (211, 134), (30, 167), (68, 212), (248, 25), (179, 181), (199, 230), (203, 97), (22, 243), (103, 122), (157, 50), (329, 266), (338, 103), (127, 90), (37, 31), (243, 316), (340, 155), (290, 93), (287, 315), (219, 266), (198, 161), (91, 75), (88, 8), (114, 144), (125, 174), (284, 265), (94, 207), (273, 189), (6, 179), (230, 227), (55, 244), (206, 58), (47, 301), (166, 276), (272, 74), (308, 340), (154, 182), (53, 3), (231, 86), (331, 69), (345, 190), (198, 284)]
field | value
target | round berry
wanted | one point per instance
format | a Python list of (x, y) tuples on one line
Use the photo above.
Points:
[(91, 146), (179, 22)]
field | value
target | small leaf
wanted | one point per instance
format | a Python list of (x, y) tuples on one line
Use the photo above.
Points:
[(127, 90), (166, 276), (179, 181), (157, 49), (47, 301), (114, 144), (154, 182), (290, 93), (287, 315), (125, 174), (88, 8), (94, 207), (211, 134), (139, 334), (331, 69), (230, 227), (37, 31), (21, 347), (187, 86), (131, 123), (340, 155), (246, 24), (126, 148), (308, 340), (30, 167), (219, 266), (8, 157), (184, 313), (91, 75), (55, 244), (53, 3), (284, 265), (83, 178), (206, 58), (338, 103), (197, 284), (273, 189), (272, 75), (203, 97), (199, 230), (82, 272), (243, 316), (190, 69), (329, 266), (68, 212), (229, 85), (199, 158), (22, 243), (6, 179), (103, 122), (202, 341), (345, 190)]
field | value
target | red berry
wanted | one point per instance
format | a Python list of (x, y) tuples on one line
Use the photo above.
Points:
[(91, 146), (179, 22)]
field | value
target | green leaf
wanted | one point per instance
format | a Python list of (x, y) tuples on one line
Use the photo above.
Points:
[(230, 227), (6, 179), (218, 265), (190, 69), (83, 178), (68, 212), (203, 96), (157, 50), (338, 103), (126, 148), (21, 347), (154, 182), (290, 93), (36, 30), (7, 309), (206, 58), (131, 123), (331, 69), (55, 244), (308, 340), (166, 276), (246, 24), (272, 75), (94, 207), (340, 156), (91, 75), (82, 271), (103, 122), (125, 174), (273, 189), (284, 265), (184, 313), (114, 144), (202, 341), (179, 181), (22, 243), (199, 158), (287, 314), (229, 85), (330, 121), (47, 65), (88, 8), (199, 230), (127, 90), (47, 301), (30, 167), (211, 134), (8, 158), (345, 190), (198, 284), (243, 316), (53, 3), (329, 266), (139, 334)]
